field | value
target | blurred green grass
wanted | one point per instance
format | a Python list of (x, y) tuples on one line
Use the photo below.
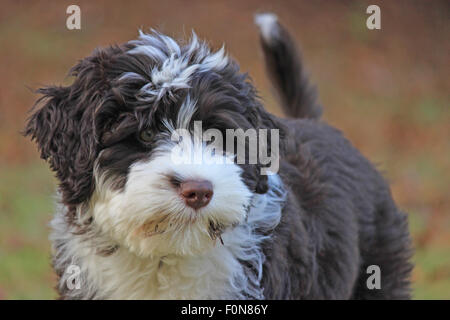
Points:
[(25, 210)]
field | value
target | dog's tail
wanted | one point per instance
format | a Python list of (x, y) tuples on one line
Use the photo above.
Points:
[(285, 69)]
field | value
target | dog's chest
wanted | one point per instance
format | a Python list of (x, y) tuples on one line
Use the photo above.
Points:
[(125, 276)]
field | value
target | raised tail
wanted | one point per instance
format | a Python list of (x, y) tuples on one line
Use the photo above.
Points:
[(284, 66)]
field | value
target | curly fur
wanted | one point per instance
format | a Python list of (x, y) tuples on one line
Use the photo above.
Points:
[(308, 232)]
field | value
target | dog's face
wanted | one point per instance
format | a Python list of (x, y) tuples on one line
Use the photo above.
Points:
[(110, 139)]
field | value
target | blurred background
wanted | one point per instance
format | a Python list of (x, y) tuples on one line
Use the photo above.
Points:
[(387, 90)]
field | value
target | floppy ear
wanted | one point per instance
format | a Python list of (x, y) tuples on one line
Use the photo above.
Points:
[(48, 123), (56, 125)]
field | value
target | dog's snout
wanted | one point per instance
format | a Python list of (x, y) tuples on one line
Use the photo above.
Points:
[(196, 194)]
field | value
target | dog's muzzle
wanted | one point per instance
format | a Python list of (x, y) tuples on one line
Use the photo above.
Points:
[(196, 193)]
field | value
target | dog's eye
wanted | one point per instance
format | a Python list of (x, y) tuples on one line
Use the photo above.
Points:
[(146, 135)]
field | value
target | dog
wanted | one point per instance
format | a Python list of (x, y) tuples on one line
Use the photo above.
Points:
[(131, 223)]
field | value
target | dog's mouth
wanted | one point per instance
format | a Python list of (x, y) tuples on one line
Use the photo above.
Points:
[(161, 226), (154, 227), (215, 230)]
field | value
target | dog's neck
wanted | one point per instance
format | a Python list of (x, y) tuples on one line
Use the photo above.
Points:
[(232, 270)]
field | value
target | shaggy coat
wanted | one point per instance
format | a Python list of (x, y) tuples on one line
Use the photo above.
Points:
[(308, 232)]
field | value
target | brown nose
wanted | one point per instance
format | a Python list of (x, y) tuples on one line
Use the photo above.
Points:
[(196, 194)]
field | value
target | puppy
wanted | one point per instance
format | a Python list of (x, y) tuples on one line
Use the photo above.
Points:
[(137, 220)]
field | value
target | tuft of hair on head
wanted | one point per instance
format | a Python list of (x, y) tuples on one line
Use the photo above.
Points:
[(268, 26)]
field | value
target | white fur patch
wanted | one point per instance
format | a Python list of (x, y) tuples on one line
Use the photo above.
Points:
[(182, 262), (268, 26), (186, 112), (175, 65)]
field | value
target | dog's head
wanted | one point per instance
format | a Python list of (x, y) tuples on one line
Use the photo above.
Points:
[(109, 137)]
